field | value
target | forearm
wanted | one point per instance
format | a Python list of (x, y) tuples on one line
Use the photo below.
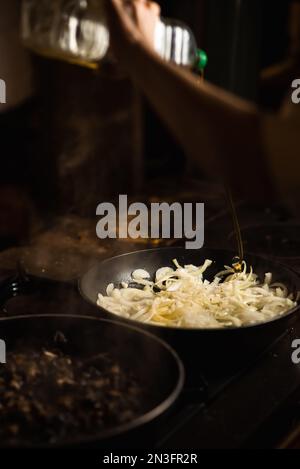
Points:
[(217, 130)]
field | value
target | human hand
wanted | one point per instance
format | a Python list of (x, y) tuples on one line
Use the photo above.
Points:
[(131, 21)]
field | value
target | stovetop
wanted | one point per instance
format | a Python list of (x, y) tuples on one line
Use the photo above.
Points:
[(246, 408), (254, 406)]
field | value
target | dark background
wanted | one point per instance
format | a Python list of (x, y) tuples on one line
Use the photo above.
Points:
[(241, 37), (83, 138)]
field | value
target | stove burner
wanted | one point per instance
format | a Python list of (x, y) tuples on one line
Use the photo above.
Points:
[(22, 294)]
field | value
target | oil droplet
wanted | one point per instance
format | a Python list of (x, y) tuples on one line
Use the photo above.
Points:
[(237, 264)]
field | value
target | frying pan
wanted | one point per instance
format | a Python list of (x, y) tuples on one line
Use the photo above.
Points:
[(199, 348), (152, 362)]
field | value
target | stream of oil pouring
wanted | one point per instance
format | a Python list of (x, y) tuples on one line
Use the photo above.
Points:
[(237, 261)]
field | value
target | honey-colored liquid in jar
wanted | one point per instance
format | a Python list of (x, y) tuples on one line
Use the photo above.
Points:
[(50, 53)]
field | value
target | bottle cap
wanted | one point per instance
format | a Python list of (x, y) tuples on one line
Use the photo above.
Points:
[(202, 60)]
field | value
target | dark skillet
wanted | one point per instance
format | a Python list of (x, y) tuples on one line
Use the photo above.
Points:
[(200, 347), (152, 361)]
